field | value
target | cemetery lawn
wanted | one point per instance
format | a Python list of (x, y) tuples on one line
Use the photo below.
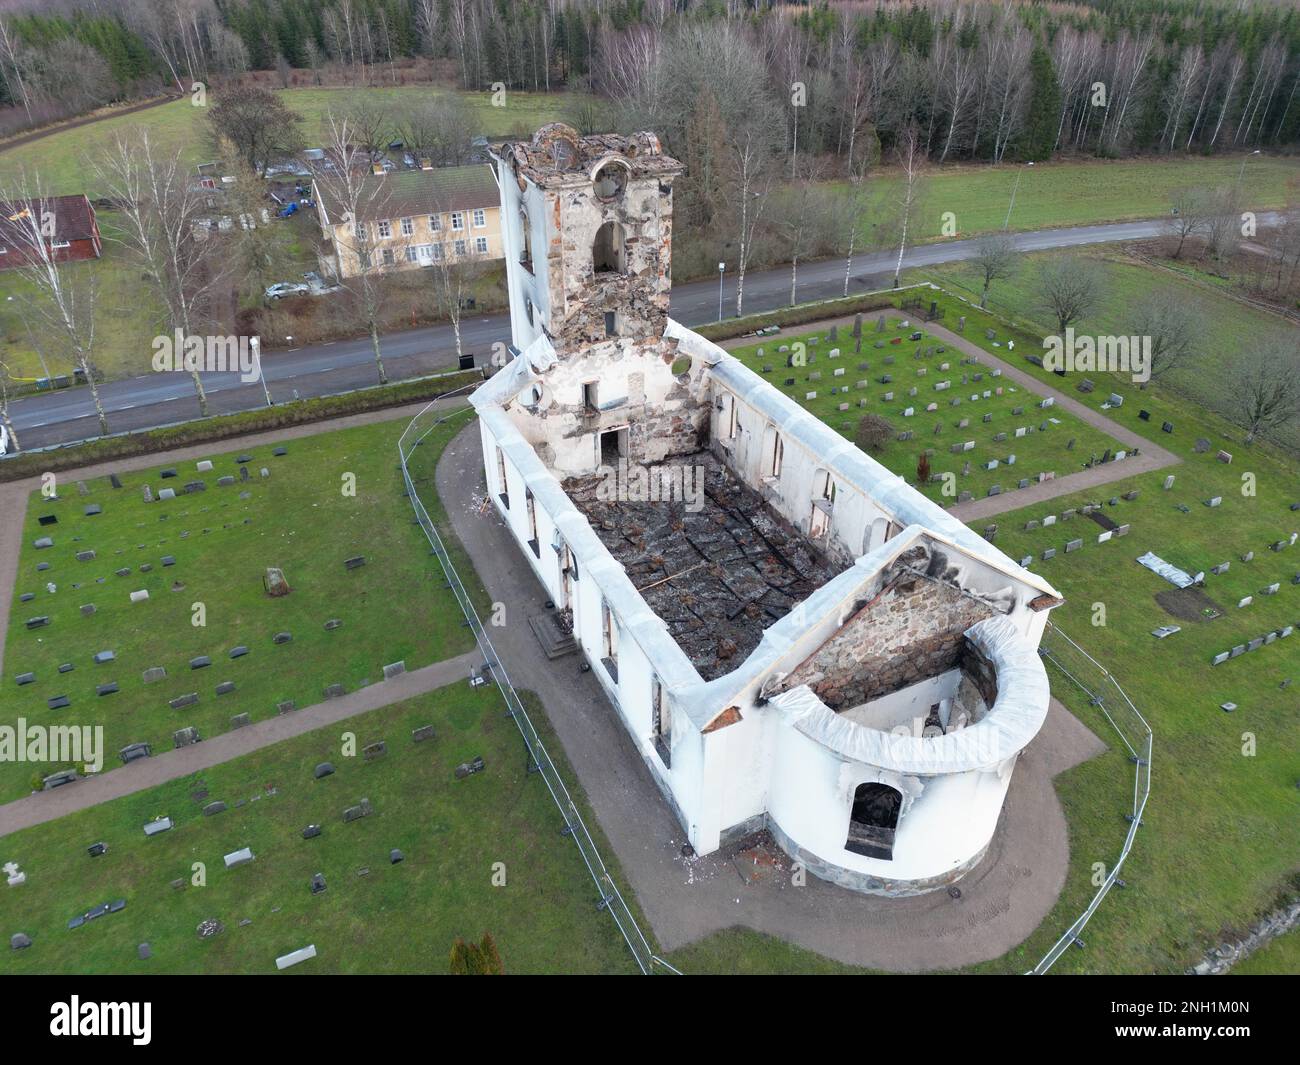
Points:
[(1040, 450), (1231, 327), (1222, 829), (392, 608), (399, 918)]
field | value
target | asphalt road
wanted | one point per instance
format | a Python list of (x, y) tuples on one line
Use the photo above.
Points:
[(164, 398)]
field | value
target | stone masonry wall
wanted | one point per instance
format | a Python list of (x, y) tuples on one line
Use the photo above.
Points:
[(912, 631)]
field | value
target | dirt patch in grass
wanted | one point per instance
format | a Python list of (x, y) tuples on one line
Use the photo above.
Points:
[(1104, 520), (1189, 604)]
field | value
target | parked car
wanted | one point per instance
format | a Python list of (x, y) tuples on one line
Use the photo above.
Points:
[(286, 288)]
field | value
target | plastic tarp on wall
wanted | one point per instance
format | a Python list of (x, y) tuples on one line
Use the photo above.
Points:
[(1017, 714)]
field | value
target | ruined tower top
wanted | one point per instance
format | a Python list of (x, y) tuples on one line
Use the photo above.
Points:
[(587, 223), (557, 157)]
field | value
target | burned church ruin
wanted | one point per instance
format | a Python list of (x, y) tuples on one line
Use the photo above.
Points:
[(794, 638)]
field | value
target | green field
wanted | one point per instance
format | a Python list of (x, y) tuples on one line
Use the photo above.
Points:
[(393, 608), (1045, 447), (1074, 192), (373, 917), (62, 157), (1221, 832), (1230, 326)]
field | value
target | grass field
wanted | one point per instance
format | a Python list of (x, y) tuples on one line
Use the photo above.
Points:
[(62, 157), (393, 918), (1074, 192), (299, 519), (1222, 830), (1045, 447), (1230, 326), (1219, 837)]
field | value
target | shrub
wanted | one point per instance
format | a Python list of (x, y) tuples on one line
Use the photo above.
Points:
[(873, 432)]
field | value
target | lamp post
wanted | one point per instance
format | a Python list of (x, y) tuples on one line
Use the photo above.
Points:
[(722, 267), (1241, 173), (1014, 188), (256, 344)]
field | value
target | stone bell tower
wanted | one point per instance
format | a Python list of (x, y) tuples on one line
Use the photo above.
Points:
[(587, 228)]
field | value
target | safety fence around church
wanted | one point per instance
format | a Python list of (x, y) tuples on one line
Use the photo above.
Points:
[(610, 899), (1104, 692)]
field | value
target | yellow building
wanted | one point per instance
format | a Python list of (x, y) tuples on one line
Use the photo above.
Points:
[(408, 219)]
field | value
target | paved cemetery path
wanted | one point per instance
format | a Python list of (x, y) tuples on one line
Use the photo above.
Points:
[(14, 495), (1002, 901), (44, 806), (1151, 457)]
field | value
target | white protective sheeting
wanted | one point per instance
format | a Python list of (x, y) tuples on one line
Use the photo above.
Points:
[(516, 375), (1016, 716), (1167, 570)]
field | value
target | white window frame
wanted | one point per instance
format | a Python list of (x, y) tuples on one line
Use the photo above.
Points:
[(460, 247), (481, 245), (480, 217), (408, 227), (457, 221), (384, 229), (435, 223)]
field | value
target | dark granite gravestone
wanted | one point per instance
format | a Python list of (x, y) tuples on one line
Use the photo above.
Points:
[(323, 770), (311, 832)]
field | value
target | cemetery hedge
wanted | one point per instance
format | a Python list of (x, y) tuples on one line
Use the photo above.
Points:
[(227, 426), (796, 315)]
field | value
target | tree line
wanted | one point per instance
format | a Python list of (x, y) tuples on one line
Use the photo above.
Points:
[(981, 80)]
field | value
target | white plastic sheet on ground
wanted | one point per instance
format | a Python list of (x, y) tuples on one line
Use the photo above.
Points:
[(1167, 570)]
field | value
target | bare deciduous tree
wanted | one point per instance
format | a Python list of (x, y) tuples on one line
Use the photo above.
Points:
[(996, 259), (1189, 214), (1175, 327), (360, 201), (1069, 286), (1266, 389), (5, 419), (160, 205), (257, 123), (60, 301), (911, 159)]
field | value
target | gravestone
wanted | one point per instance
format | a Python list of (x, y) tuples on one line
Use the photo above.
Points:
[(374, 750), (311, 832), (184, 737), (239, 721), (213, 808), (333, 691), (182, 701), (424, 732), (323, 770)]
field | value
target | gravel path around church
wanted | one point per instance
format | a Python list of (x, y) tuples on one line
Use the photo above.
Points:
[(1003, 899), (110, 784)]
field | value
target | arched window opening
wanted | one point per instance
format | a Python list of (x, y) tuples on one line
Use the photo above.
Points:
[(608, 253), (610, 181), (874, 820)]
